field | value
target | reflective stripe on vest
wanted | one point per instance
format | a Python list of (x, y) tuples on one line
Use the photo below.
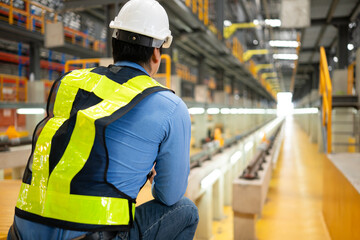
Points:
[(49, 196)]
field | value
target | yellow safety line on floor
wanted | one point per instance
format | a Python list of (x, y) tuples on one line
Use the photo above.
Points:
[(293, 207)]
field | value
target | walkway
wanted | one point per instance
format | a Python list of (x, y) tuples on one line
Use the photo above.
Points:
[(293, 207)]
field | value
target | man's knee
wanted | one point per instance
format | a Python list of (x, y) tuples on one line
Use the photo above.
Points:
[(189, 210)]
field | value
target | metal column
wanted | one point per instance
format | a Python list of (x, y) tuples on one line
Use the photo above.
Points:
[(220, 17), (342, 46), (357, 80), (201, 70), (220, 81), (35, 60), (110, 13)]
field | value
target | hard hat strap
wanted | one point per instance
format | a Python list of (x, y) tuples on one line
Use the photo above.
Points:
[(135, 38)]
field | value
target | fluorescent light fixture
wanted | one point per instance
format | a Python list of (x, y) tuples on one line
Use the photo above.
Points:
[(248, 146), (241, 110), (280, 43), (271, 111), (196, 111), (273, 22), (227, 23), (235, 157), (210, 179), (335, 59), (234, 111), (30, 111), (257, 111), (213, 111), (350, 46), (225, 111), (305, 110), (284, 56)]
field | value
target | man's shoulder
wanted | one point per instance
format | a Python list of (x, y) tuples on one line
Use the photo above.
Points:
[(169, 98)]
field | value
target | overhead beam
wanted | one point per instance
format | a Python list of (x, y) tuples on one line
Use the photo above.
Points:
[(78, 5), (355, 11), (323, 28), (333, 21)]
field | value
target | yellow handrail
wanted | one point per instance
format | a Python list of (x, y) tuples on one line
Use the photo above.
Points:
[(326, 92), (350, 78), (41, 19), (14, 81), (167, 73), (83, 62)]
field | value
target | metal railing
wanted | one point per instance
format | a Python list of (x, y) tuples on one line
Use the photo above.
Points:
[(82, 63), (35, 22), (13, 88), (350, 79), (325, 90)]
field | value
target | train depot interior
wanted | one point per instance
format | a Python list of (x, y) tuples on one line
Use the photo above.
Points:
[(272, 88)]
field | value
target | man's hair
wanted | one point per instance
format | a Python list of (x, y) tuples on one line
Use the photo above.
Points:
[(123, 51)]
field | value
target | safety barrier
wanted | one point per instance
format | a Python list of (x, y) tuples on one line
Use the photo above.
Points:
[(84, 63), (201, 8), (13, 88), (325, 90), (210, 184), (33, 22), (350, 79)]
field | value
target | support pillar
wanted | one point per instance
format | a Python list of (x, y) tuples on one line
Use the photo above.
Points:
[(220, 18), (35, 88), (201, 70), (342, 46), (227, 187), (220, 79), (218, 199), (110, 13), (34, 64), (357, 80), (204, 203)]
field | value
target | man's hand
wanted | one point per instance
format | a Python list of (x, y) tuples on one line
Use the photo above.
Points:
[(152, 174)]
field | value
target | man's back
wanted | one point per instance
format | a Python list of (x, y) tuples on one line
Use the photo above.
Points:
[(156, 129)]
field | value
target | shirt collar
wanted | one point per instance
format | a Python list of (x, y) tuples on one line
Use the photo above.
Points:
[(132, 65)]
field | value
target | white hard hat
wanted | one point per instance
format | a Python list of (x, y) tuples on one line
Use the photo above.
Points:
[(139, 18)]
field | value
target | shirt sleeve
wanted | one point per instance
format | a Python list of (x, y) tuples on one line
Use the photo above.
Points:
[(173, 160)]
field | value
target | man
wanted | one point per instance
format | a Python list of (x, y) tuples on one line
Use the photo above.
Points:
[(106, 129)]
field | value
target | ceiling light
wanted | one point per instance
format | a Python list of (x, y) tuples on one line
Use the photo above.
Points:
[(227, 23), (350, 46), (255, 42), (280, 43), (336, 59), (213, 111), (256, 22), (273, 22), (196, 111), (225, 111), (285, 56), (28, 111)]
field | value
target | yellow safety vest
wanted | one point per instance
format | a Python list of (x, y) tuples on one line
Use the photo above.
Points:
[(48, 196)]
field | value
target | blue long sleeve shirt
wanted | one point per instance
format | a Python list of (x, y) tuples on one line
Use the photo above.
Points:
[(157, 130)]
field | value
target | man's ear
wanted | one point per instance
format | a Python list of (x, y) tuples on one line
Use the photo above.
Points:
[(156, 57)]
